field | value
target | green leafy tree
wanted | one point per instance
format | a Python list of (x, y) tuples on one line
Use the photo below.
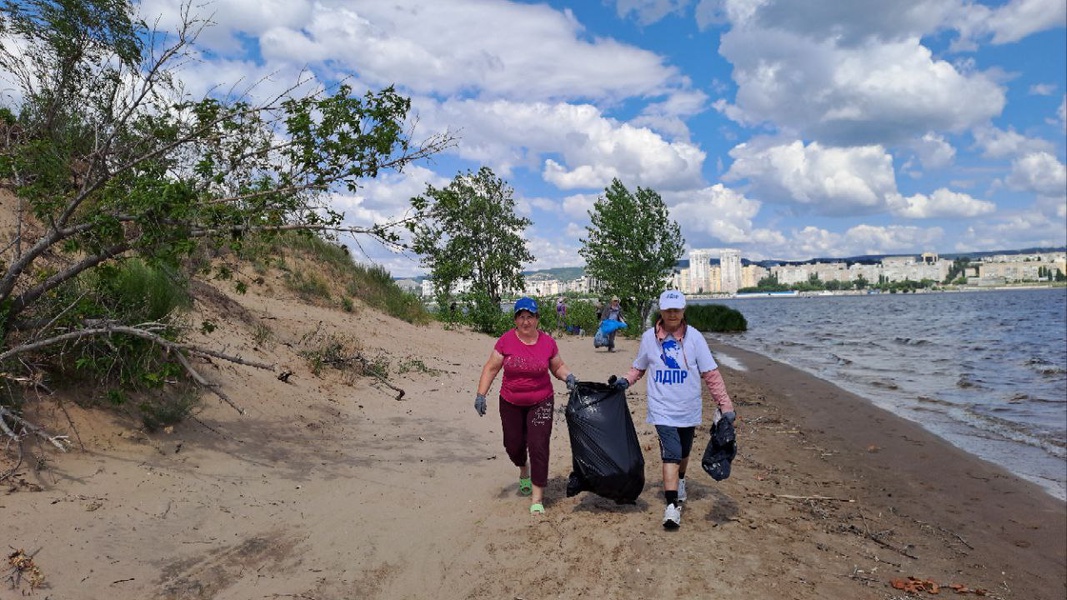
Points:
[(469, 235), (959, 266), (110, 160), (632, 246)]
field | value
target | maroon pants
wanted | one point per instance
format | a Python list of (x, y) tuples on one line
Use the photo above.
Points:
[(528, 430)]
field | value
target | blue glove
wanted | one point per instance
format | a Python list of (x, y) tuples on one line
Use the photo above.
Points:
[(479, 404), (729, 416), (572, 382), (620, 382)]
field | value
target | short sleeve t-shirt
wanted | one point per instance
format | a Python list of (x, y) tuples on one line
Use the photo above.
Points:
[(673, 370), (526, 380)]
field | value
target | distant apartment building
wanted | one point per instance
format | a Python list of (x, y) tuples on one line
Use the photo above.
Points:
[(410, 286), (730, 263), (794, 274), (680, 281), (751, 275), (1010, 268), (459, 288), (700, 277), (543, 285), (705, 277), (714, 280), (889, 269), (902, 268)]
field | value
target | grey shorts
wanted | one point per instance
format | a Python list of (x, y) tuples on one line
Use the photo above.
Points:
[(675, 442)]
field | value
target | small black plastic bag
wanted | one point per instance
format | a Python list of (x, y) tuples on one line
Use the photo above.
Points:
[(607, 457), (721, 450)]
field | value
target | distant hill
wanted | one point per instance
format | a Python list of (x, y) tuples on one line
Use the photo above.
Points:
[(559, 273)]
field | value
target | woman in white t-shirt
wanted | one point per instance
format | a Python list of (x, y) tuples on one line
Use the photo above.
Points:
[(677, 358)]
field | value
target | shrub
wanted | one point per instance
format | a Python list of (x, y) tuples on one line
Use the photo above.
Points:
[(580, 312), (171, 408), (485, 315), (130, 292), (713, 318)]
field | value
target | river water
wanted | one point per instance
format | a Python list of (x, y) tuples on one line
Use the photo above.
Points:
[(986, 370)]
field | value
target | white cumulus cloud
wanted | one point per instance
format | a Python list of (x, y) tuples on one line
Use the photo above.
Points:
[(717, 215), (828, 180), (1039, 172), (941, 203)]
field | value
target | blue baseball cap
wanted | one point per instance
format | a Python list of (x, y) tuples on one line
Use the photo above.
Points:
[(527, 304)]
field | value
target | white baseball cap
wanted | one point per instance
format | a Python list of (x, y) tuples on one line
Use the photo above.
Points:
[(671, 299)]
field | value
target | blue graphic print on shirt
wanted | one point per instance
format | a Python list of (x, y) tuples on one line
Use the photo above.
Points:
[(674, 373)]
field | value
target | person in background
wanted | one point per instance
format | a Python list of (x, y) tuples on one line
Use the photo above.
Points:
[(527, 356), (612, 311), (678, 357), (561, 314)]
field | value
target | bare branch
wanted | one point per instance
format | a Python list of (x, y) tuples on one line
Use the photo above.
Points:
[(145, 331), (59, 441), (205, 383)]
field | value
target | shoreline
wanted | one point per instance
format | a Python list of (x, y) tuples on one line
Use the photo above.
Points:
[(1010, 514), (949, 513), (1053, 488)]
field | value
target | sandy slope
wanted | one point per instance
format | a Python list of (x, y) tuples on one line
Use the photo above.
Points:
[(330, 488)]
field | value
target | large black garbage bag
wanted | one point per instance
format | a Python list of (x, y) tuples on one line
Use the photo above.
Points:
[(607, 454), (721, 450)]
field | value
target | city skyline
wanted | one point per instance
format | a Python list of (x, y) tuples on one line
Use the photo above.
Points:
[(727, 275)]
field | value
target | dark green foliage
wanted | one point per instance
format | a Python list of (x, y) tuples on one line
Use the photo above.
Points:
[(712, 318), (959, 266), (468, 232), (632, 247), (484, 314), (581, 313), (134, 292), (130, 293)]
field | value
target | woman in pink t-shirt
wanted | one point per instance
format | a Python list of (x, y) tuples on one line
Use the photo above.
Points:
[(527, 355)]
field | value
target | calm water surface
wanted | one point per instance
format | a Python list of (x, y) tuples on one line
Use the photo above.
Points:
[(985, 370)]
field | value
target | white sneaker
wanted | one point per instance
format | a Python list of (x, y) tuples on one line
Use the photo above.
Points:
[(681, 491), (672, 517)]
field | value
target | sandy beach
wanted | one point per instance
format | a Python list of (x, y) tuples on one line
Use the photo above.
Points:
[(329, 487)]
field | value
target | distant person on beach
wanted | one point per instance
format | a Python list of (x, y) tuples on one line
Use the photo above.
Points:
[(679, 359), (612, 311), (561, 314), (527, 402)]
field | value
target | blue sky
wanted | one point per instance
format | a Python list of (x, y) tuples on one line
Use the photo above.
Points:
[(786, 129)]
